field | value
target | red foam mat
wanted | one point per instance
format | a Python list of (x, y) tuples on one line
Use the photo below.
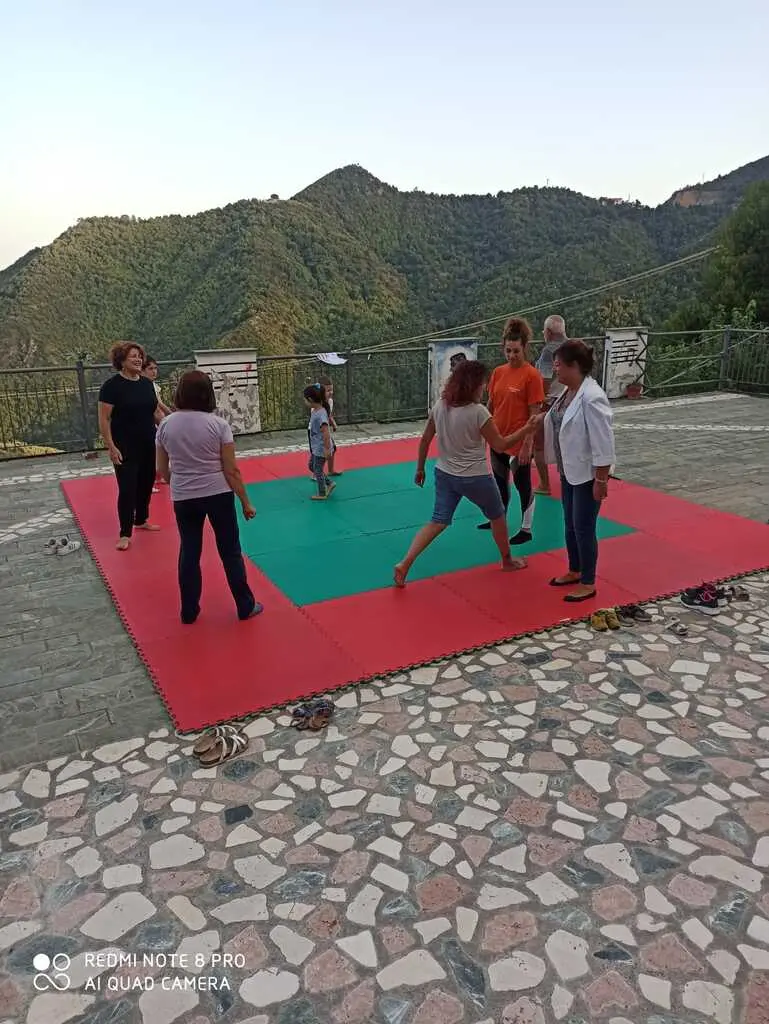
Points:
[(220, 669)]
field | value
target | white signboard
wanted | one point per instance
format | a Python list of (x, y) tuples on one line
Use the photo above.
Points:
[(624, 359), (235, 376), (442, 357)]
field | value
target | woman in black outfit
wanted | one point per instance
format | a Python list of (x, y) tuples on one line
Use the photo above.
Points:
[(128, 414)]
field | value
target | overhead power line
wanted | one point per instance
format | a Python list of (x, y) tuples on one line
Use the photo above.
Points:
[(550, 304)]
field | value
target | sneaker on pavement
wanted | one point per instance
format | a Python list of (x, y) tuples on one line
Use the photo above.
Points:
[(67, 546), (708, 599)]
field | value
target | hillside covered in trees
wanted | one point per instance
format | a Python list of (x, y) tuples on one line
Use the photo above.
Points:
[(349, 261)]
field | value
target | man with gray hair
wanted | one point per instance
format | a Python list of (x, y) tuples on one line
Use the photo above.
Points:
[(554, 333)]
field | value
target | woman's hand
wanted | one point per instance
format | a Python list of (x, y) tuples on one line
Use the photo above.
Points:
[(600, 489), (419, 478), (115, 455), (248, 510), (526, 452)]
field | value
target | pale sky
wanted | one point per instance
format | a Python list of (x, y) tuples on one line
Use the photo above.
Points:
[(160, 107)]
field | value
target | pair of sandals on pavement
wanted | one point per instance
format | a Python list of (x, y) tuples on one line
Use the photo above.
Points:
[(227, 742), (313, 715), (614, 618), (61, 546), (219, 744)]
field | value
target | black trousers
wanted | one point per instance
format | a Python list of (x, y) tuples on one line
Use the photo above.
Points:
[(191, 516), (500, 467), (135, 479)]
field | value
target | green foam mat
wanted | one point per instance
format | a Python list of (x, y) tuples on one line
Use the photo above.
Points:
[(317, 551)]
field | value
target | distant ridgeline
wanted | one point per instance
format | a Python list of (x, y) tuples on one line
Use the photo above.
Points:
[(346, 263)]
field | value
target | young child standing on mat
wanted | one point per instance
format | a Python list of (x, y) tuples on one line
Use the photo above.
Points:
[(328, 392), (319, 434)]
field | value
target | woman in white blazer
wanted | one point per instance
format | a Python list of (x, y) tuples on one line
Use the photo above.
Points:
[(579, 439)]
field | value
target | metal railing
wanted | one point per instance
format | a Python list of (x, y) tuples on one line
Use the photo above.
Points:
[(51, 409), (691, 362)]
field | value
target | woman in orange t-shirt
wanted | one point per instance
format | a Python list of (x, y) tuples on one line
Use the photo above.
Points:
[(516, 392)]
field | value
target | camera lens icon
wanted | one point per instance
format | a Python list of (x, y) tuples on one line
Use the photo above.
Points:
[(51, 972)]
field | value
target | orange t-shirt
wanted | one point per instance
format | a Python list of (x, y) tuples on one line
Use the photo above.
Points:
[(511, 392)]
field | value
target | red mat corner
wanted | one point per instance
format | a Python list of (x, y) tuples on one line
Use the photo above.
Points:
[(221, 669)]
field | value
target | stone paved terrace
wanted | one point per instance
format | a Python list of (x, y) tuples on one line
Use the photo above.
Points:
[(573, 827)]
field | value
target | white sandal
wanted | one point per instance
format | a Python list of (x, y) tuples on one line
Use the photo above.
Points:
[(67, 546)]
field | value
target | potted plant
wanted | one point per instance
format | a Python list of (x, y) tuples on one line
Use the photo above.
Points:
[(634, 390)]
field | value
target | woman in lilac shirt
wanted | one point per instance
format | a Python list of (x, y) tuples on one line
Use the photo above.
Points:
[(196, 455)]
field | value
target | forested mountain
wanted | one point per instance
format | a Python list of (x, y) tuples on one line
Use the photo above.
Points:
[(347, 262)]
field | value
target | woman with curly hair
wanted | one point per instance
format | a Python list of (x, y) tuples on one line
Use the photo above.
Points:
[(128, 415), (516, 392), (463, 426)]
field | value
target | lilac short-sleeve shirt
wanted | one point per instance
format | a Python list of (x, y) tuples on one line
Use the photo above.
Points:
[(193, 442)]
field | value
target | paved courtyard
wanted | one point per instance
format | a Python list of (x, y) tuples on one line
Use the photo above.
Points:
[(572, 827)]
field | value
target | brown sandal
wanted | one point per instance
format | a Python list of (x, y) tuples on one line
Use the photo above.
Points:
[(225, 748), (211, 737), (318, 721)]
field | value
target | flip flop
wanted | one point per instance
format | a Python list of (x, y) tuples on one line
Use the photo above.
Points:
[(677, 628)]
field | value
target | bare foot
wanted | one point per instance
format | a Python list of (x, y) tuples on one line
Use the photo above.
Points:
[(149, 527), (123, 544), (399, 576), (511, 564)]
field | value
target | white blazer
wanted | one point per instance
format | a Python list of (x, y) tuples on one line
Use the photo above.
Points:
[(586, 437)]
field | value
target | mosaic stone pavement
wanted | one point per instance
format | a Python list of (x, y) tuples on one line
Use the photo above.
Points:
[(573, 827)]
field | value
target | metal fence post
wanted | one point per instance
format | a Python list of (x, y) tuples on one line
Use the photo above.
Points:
[(83, 392), (348, 386), (726, 348)]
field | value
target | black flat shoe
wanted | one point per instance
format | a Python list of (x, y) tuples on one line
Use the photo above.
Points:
[(522, 537)]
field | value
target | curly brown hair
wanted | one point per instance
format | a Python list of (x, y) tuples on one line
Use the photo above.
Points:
[(463, 384), (119, 353), (517, 330)]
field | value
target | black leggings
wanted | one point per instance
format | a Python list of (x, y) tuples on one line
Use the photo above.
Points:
[(500, 467), (191, 516), (135, 479)]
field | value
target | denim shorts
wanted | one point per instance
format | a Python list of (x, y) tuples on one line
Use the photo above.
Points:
[(450, 489)]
